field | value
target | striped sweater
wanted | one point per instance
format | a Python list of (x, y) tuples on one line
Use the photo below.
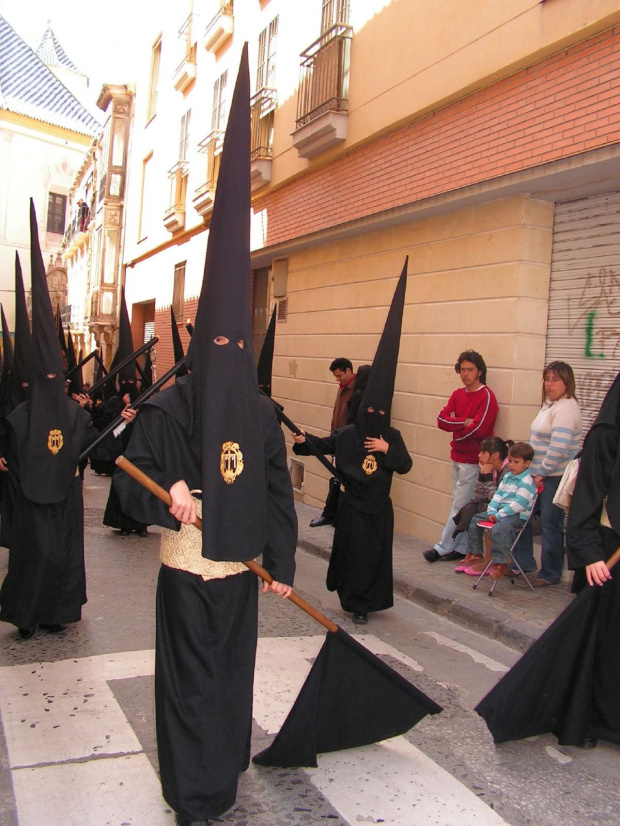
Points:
[(555, 436), (514, 496)]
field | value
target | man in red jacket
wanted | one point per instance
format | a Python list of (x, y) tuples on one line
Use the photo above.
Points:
[(470, 416)]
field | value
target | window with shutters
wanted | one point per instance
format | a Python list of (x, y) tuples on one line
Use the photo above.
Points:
[(56, 209)]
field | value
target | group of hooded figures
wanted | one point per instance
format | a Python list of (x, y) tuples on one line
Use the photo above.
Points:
[(215, 445)]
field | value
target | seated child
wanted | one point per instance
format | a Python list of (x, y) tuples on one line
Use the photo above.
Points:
[(509, 508), (493, 463)]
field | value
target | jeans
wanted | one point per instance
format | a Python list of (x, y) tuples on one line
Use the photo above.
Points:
[(463, 483), (503, 535), (552, 536)]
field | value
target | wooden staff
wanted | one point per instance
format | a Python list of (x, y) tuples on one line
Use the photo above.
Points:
[(257, 569)]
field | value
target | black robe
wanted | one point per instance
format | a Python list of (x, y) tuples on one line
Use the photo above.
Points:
[(206, 630), (114, 516), (360, 567), (46, 580), (587, 542)]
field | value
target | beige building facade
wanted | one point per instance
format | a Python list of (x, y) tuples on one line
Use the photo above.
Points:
[(453, 133)]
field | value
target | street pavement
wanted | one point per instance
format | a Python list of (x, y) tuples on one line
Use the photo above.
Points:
[(77, 744)]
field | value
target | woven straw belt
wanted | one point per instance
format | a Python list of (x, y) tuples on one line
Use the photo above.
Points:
[(183, 550), (604, 515)]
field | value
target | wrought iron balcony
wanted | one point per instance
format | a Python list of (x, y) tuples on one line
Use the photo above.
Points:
[(262, 105), (211, 149), (174, 216), (324, 81), (220, 27)]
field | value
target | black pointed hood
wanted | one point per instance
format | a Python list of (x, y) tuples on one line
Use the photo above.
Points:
[(265, 360), (125, 344), (62, 340), (22, 345), (7, 367), (47, 450), (379, 391), (222, 389), (177, 344), (72, 363)]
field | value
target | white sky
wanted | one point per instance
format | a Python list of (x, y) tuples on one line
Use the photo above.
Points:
[(104, 40)]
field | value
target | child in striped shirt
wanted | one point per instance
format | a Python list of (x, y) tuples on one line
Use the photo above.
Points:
[(509, 509)]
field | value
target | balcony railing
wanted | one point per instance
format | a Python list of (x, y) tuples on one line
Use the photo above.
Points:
[(263, 105), (174, 216), (324, 80), (211, 146), (220, 27)]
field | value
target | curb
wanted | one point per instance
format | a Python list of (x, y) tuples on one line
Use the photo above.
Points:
[(492, 622)]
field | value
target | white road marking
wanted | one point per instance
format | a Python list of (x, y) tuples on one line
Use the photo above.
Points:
[(71, 746), (476, 656), (98, 793), (395, 784)]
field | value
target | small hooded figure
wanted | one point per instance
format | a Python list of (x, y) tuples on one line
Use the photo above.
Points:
[(368, 452), (216, 446), (46, 582)]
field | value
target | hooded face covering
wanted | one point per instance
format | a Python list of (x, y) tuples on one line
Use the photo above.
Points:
[(222, 389), (47, 450), (373, 417), (7, 368)]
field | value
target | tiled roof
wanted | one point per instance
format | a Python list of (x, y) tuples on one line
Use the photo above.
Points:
[(52, 53), (29, 88)]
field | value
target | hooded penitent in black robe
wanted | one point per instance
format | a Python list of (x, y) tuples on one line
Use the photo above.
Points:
[(360, 567), (588, 541), (45, 583), (567, 682), (206, 630), (213, 431)]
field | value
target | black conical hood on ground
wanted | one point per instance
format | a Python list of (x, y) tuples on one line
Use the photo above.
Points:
[(222, 388), (265, 360), (44, 427), (22, 344), (379, 390), (350, 698), (125, 344), (177, 344), (7, 367)]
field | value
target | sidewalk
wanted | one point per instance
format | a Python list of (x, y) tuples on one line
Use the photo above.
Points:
[(515, 615)]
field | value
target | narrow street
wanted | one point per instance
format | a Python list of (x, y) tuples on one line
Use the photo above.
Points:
[(78, 745)]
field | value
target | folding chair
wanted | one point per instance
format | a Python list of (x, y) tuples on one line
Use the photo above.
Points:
[(488, 527)]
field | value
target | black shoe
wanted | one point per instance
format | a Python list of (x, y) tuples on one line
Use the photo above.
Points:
[(431, 556), (142, 533), (453, 556), (182, 821), (124, 533), (320, 521), (54, 628), (589, 743), (26, 633), (360, 619)]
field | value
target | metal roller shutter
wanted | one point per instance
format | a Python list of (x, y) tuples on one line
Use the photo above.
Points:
[(584, 305)]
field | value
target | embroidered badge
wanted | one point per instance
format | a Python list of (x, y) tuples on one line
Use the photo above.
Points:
[(55, 441), (231, 462), (369, 465)]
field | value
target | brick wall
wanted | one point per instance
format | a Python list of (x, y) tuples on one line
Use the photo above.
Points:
[(565, 105), (165, 354)]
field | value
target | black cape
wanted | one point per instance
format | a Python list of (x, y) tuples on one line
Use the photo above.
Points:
[(360, 567), (46, 581)]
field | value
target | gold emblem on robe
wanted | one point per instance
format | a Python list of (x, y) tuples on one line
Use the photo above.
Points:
[(231, 462), (369, 465), (55, 441)]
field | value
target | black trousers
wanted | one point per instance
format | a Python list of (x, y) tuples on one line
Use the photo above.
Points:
[(204, 672)]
